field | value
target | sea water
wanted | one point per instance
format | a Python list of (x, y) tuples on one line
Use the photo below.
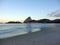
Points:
[(9, 30)]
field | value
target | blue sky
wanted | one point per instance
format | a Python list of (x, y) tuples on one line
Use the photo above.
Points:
[(19, 10)]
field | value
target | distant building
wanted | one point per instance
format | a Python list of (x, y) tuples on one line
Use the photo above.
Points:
[(28, 20)]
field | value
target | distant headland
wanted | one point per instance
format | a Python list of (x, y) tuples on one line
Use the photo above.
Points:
[(13, 22), (30, 20)]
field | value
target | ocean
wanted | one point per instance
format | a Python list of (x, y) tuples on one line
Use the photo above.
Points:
[(10, 30)]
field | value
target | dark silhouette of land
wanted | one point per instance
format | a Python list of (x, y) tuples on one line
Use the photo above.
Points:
[(13, 22), (56, 21), (29, 20)]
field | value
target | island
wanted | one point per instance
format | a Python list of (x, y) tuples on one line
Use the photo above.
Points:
[(12, 22)]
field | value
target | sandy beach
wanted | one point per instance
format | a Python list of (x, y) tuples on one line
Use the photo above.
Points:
[(47, 36)]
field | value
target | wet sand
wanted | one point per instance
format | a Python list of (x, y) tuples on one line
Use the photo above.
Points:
[(47, 36)]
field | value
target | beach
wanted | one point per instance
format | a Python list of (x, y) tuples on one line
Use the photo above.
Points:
[(47, 36), (29, 22)]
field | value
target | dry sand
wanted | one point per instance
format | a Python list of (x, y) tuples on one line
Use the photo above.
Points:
[(47, 36)]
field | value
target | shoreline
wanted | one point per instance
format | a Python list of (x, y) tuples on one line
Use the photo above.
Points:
[(47, 36)]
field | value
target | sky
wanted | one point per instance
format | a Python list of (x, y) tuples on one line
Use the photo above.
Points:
[(19, 10)]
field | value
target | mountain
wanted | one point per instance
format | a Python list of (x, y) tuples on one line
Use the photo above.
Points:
[(28, 20)]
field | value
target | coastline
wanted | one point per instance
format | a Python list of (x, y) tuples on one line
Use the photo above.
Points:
[(47, 36)]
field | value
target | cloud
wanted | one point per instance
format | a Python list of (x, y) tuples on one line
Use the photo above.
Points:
[(55, 14)]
